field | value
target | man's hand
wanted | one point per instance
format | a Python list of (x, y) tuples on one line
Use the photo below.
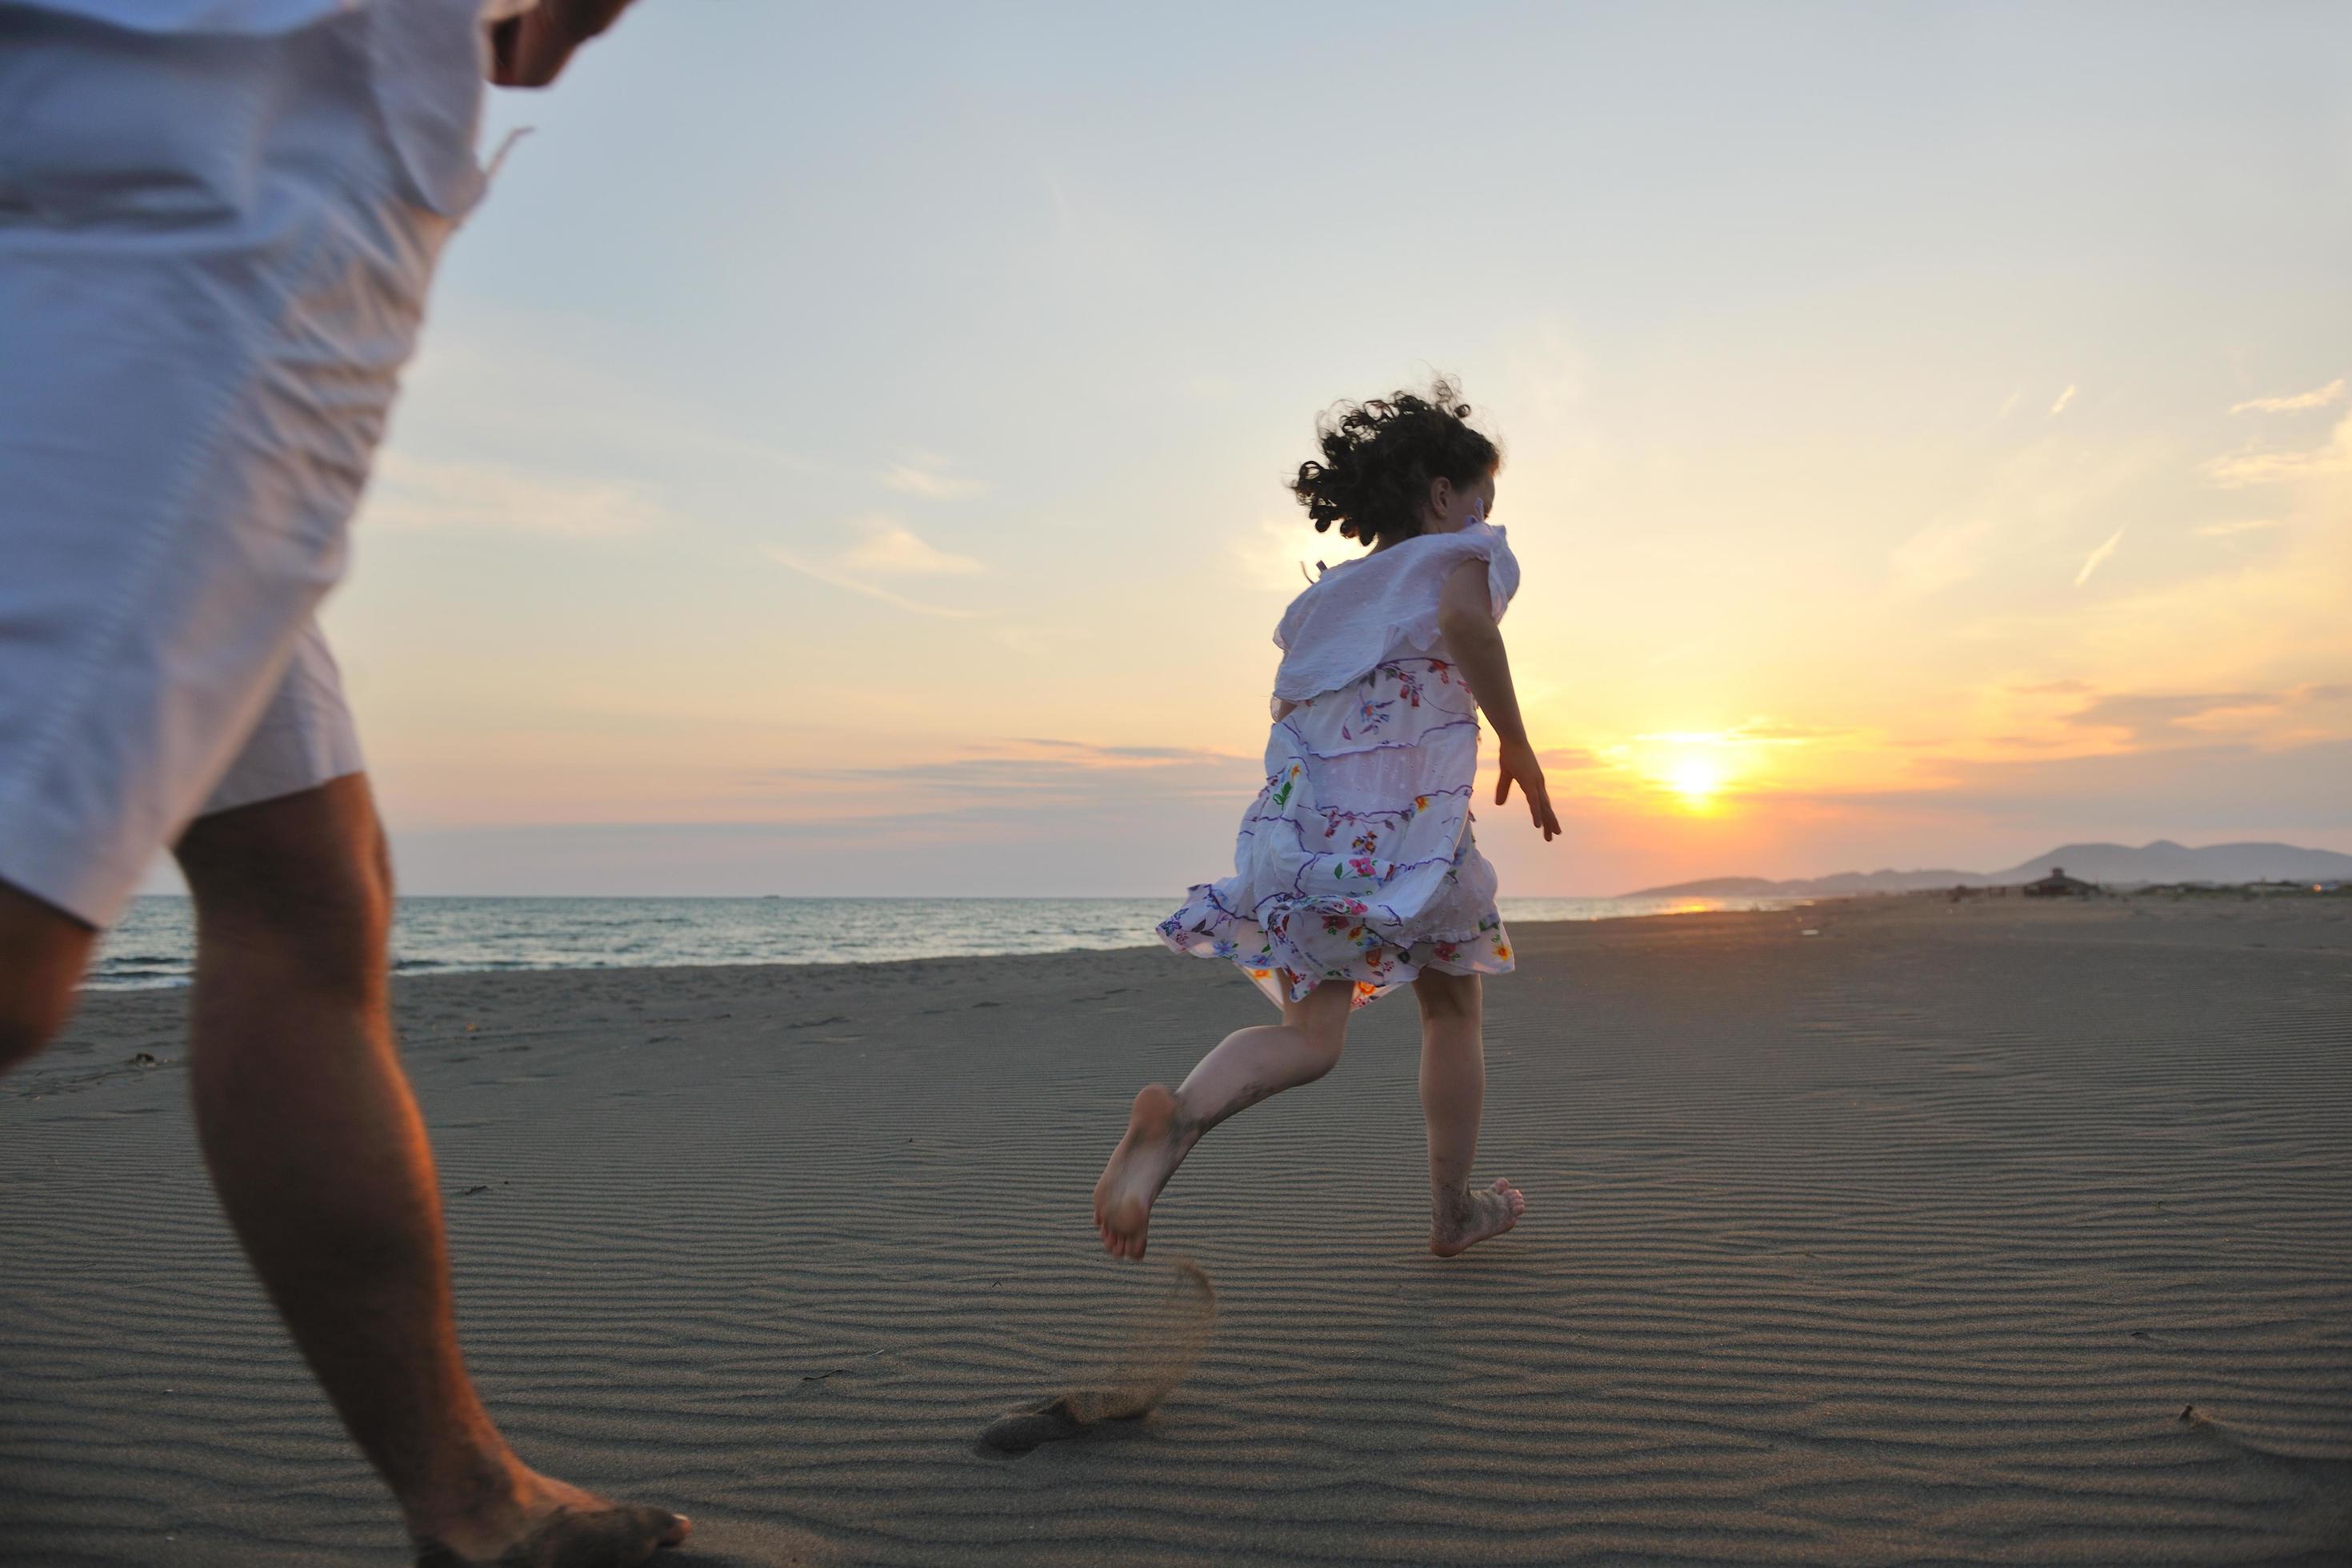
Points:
[(530, 50), (1518, 762)]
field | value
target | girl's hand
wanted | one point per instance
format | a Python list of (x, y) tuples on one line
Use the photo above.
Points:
[(1518, 761)]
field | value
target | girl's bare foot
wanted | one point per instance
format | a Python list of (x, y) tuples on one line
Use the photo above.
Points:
[(1156, 1141), (1460, 1222), (547, 1525)]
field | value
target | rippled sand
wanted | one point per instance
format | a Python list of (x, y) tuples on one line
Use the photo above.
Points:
[(1973, 1232)]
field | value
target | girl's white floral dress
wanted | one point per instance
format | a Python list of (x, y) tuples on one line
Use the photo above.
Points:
[(1356, 861)]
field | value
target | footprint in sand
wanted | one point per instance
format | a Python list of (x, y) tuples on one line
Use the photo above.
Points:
[(1159, 1348)]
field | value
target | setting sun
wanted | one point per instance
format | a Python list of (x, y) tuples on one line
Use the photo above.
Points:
[(1697, 780)]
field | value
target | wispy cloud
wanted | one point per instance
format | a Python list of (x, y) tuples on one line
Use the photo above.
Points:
[(2231, 529), (2157, 716), (2257, 466), (421, 493), (2161, 716), (2318, 397), (1781, 732), (1998, 523), (2227, 786), (1027, 781), (2009, 405), (2100, 557), (1941, 554), (2064, 398), (840, 579), (924, 476), (1751, 732), (1278, 555), (890, 549)]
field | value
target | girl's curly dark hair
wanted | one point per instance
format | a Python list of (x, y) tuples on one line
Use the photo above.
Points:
[(1379, 458)]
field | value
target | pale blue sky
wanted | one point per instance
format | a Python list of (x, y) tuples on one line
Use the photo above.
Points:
[(847, 453)]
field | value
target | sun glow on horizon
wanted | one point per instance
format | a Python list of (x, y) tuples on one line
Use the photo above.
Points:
[(1690, 769)]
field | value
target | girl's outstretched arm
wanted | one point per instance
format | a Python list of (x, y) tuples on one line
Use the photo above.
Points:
[(1466, 619)]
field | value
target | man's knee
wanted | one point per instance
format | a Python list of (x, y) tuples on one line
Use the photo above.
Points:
[(43, 951), (306, 875)]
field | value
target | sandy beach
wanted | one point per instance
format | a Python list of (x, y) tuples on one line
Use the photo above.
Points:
[(1954, 1232)]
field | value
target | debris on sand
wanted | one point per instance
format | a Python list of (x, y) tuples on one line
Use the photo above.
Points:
[(1153, 1358)]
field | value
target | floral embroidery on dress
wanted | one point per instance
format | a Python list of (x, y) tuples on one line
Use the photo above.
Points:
[(1408, 683), (1370, 716)]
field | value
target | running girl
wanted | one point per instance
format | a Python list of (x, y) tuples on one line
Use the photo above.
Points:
[(1356, 870)]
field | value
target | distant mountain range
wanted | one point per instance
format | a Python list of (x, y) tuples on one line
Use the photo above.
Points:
[(2116, 864)]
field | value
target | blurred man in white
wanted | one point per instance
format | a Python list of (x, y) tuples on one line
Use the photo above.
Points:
[(219, 221)]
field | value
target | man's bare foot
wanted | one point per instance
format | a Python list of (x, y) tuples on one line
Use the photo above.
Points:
[(1156, 1142), (1457, 1224), (552, 1525)]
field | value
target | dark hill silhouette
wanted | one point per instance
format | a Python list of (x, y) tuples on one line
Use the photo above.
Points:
[(2118, 864)]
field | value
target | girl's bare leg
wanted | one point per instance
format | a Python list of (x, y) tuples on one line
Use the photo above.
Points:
[(1248, 1066), (1452, 1098)]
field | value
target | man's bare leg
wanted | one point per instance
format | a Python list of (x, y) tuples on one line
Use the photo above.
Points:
[(321, 1159), (1452, 1101), (1249, 1065), (43, 951)]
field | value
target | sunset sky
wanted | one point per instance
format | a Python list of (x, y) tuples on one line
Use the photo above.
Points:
[(847, 455)]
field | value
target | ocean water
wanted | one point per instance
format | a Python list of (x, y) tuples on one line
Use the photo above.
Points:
[(154, 944)]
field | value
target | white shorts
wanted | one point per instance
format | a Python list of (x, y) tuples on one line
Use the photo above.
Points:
[(214, 258)]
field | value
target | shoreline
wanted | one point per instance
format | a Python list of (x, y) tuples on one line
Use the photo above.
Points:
[(463, 935), (404, 968)]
